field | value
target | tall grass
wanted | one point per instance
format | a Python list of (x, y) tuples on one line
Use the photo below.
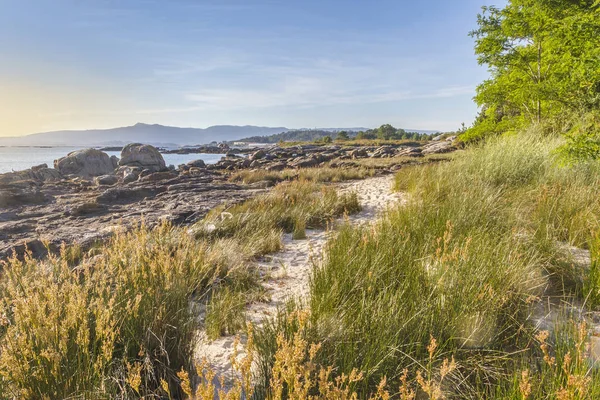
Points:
[(289, 207), (121, 321), (467, 261), (84, 331), (319, 175), (592, 281)]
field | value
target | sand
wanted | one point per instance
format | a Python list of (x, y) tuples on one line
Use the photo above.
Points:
[(287, 272)]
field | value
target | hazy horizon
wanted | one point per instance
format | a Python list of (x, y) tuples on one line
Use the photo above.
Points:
[(100, 65)]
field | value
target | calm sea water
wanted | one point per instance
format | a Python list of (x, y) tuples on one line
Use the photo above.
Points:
[(19, 158)]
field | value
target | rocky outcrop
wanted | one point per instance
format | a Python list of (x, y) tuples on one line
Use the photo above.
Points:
[(440, 146), (37, 216), (87, 163), (106, 180), (39, 173), (197, 164), (144, 156), (21, 193)]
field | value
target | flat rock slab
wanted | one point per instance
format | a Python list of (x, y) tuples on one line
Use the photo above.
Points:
[(79, 213)]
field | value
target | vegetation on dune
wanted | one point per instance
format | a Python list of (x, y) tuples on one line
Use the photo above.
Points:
[(291, 205), (469, 261), (468, 290), (120, 322), (318, 175), (117, 323)]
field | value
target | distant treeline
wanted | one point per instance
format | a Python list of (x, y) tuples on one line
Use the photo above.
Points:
[(384, 132)]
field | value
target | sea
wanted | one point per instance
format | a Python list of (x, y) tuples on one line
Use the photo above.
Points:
[(20, 158)]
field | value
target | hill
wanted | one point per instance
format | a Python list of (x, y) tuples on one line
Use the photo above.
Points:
[(158, 135)]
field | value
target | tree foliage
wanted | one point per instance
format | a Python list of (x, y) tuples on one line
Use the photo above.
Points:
[(544, 63)]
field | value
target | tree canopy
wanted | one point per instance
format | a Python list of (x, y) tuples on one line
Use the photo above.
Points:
[(544, 63)]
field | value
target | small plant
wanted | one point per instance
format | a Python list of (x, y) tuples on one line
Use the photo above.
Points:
[(592, 281), (299, 232), (224, 314)]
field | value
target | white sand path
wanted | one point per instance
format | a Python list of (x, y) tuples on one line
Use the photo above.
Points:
[(287, 272)]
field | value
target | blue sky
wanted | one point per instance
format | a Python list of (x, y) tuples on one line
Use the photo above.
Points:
[(73, 64)]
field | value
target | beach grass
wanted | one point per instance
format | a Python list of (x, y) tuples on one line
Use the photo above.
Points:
[(468, 263)]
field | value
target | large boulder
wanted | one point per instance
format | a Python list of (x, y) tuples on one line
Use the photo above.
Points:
[(86, 163), (441, 146), (142, 155), (197, 164), (257, 155)]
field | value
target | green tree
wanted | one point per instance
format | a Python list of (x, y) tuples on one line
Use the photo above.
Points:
[(386, 132), (342, 135), (368, 135), (543, 59)]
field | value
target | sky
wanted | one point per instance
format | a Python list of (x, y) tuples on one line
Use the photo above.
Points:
[(82, 64)]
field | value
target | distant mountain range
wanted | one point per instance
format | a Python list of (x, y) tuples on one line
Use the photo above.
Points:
[(158, 135)]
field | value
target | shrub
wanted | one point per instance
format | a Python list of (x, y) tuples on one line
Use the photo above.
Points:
[(116, 324), (583, 140)]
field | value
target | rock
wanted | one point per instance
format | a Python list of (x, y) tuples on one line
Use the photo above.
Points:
[(381, 151), (305, 162), (257, 155), (39, 173), (195, 171), (130, 177), (69, 212), (115, 161), (126, 194), (145, 172), (278, 166), (443, 146), (410, 152), (21, 193), (39, 167), (86, 163), (358, 153), (142, 155), (86, 209), (106, 180), (196, 164), (158, 176), (46, 175)]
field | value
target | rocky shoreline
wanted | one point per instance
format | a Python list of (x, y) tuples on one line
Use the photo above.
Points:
[(88, 195)]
